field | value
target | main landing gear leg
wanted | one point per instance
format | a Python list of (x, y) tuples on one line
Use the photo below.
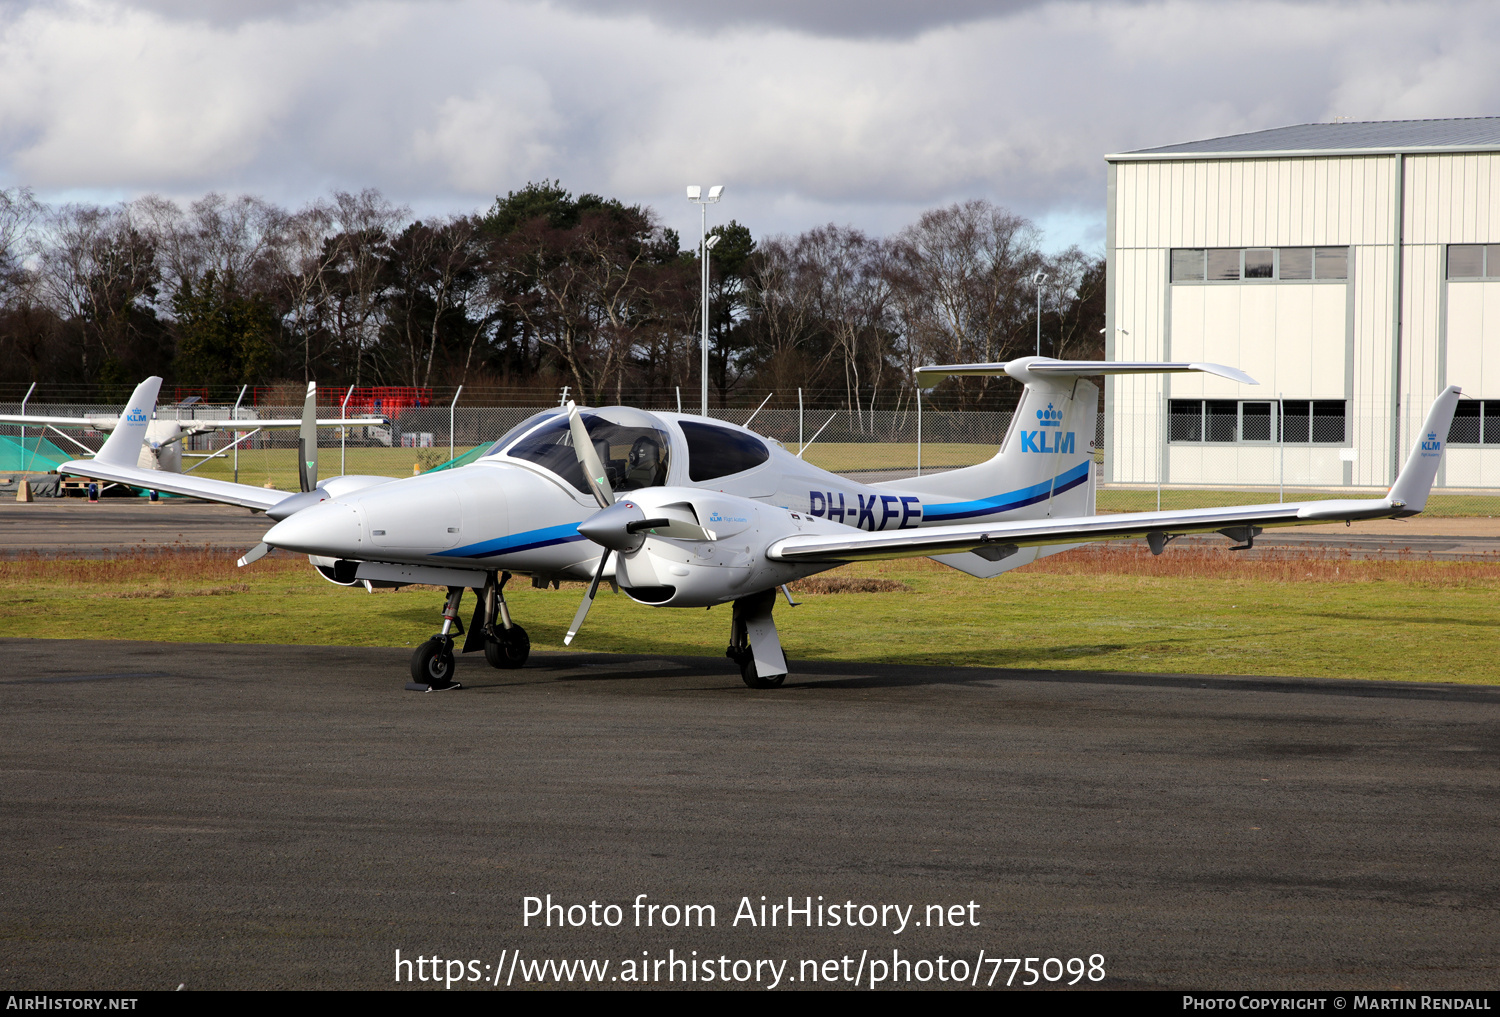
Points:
[(505, 645), (753, 643), (432, 662)]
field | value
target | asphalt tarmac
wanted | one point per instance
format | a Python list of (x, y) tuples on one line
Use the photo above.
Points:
[(269, 816)]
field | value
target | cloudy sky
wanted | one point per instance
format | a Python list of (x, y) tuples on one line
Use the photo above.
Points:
[(810, 111)]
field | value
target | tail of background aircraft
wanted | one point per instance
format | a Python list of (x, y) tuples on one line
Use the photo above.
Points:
[(124, 444), (1045, 466)]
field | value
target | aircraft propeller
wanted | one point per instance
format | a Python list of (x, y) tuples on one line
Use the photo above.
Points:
[(598, 481), (307, 442), (307, 473)]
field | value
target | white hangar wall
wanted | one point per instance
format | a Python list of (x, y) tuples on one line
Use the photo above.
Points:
[(1316, 340)]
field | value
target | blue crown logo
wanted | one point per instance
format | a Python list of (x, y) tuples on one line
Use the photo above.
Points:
[(135, 416), (1432, 436), (1049, 417)]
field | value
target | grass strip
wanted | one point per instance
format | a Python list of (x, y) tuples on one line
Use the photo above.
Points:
[(1193, 610)]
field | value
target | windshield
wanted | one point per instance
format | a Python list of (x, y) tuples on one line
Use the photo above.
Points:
[(631, 444), (520, 428)]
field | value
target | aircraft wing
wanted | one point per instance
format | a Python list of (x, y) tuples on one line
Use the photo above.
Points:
[(860, 545), (1407, 497), (250, 425), (105, 422), (206, 488)]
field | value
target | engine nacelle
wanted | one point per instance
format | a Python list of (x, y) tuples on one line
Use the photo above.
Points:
[(667, 570)]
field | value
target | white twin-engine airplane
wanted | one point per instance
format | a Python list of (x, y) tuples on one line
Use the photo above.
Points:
[(683, 511), (161, 448)]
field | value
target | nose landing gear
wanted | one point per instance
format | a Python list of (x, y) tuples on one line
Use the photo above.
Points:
[(432, 662), (505, 644)]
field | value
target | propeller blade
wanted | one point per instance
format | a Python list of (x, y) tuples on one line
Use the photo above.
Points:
[(593, 469), (256, 553), (307, 443), (588, 600)]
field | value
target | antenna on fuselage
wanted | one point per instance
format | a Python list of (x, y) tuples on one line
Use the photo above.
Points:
[(816, 433)]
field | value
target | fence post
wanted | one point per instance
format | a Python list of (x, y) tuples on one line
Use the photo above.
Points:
[(450, 420), (799, 418), (1166, 433), (1281, 441), (919, 428), (234, 414), (344, 431), (23, 430)]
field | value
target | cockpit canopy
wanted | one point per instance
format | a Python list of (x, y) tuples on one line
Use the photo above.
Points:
[(632, 444)]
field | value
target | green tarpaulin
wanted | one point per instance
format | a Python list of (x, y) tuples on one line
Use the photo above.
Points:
[(38, 455)]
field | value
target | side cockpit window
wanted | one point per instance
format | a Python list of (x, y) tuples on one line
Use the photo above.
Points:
[(715, 452), (631, 444)]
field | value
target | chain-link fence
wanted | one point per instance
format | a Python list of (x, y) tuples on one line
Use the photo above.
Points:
[(1147, 459)]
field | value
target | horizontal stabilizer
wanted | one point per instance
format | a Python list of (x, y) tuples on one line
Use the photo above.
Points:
[(1047, 367)]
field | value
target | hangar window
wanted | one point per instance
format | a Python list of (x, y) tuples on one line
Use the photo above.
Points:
[(1260, 263), (1475, 422), (1286, 264), (1226, 421), (1296, 263), (1187, 265), (1474, 261), (1223, 265)]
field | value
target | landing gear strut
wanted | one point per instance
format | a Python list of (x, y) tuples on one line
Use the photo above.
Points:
[(505, 645), (753, 643), (432, 661)]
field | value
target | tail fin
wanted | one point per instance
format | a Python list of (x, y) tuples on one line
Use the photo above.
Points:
[(1415, 481), (1044, 466), (123, 446)]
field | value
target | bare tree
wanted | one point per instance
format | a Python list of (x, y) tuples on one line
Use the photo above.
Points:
[(99, 272), (354, 284), (965, 275)]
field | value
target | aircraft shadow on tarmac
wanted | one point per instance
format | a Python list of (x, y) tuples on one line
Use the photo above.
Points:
[(814, 676)]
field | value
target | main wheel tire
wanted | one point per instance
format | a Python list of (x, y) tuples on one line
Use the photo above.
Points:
[(511, 650), (432, 662), (754, 680)]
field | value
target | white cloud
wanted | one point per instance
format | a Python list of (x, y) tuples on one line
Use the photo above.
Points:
[(443, 105)]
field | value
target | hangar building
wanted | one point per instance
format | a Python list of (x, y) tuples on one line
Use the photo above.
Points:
[(1353, 269)]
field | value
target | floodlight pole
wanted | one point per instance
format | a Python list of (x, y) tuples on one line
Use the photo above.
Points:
[(696, 196)]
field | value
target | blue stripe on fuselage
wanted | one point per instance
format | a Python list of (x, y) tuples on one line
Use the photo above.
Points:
[(1005, 502), (530, 540)]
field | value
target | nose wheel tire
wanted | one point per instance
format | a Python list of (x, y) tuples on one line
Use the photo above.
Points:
[(751, 677), (432, 663), (510, 650)]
